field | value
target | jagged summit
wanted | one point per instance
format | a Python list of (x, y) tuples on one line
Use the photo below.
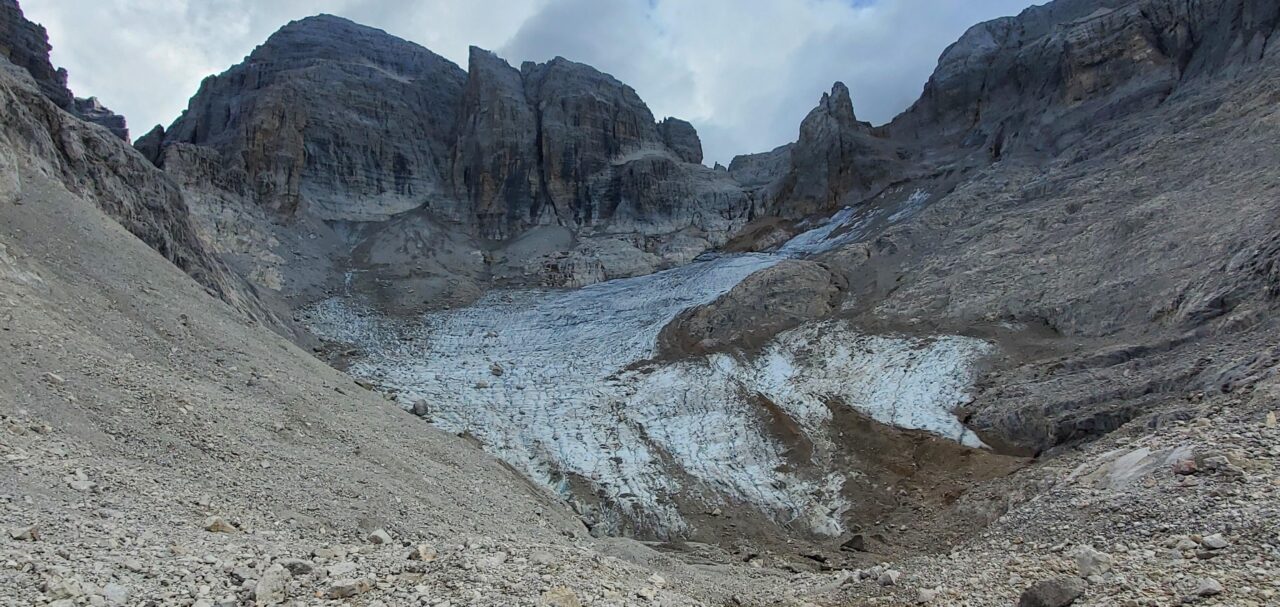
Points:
[(1037, 82), (26, 45), (326, 37)]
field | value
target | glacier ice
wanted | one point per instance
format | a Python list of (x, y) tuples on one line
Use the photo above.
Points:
[(576, 399)]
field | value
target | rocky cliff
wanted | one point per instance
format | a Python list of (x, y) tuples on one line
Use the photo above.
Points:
[(1035, 83), (1092, 172), (26, 45), (333, 119), (837, 160), (336, 123), (39, 133)]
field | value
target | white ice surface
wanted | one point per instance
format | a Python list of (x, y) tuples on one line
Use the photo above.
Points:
[(569, 402)]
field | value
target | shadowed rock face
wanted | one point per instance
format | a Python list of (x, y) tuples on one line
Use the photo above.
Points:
[(1034, 82), (349, 135), (346, 120), (681, 138), (836, 160), (587, 119), (564, 144), (495, 162), (1027, 85), (26, 45), (348, 123)]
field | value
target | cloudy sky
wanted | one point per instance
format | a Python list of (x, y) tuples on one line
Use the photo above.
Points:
[(745, 72)]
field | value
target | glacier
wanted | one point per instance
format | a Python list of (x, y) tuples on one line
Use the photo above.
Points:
[(562, 385)]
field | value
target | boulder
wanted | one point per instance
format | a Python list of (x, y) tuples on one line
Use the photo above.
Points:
[(272, 587), (1055, 592), (1091, 562)]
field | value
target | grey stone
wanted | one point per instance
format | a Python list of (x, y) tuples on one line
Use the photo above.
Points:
[(1214, 542), (29, 533), (297, 566), (217, 524), (116, 594), (272, 587), (889, 578), (379, 536), (682, 139), (1055, 592), (1091, 562), (347, 588), (836, 160), (1208, 587)]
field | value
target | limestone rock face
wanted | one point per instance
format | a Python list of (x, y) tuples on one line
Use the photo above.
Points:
[(348, 123), (98, 167), (1032, 83), (766, 303), (681, 138), (381, 157), (836, 158), (587, 120), (26, 45), (495, 165), (151, 144), (353, 121), (92, 110), (755, 170)]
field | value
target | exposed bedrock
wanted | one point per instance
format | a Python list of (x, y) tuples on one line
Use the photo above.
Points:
[(26, 45), (95, 165), (764, 304), (1036, 82), (680, 137), (336, 123), (837, 160), (334, 119)]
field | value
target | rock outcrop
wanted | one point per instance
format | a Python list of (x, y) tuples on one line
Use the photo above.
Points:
[(347, 123), (1035, 82), (42, 134), (757, 170), (764, 304), (680, 137), (837, 160), (92, 110), (496, 159), (564, 144), (345, 135), (339, 120), (26, 45)]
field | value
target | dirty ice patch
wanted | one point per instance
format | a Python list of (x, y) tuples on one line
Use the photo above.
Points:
[(545, 380), (706, 410)]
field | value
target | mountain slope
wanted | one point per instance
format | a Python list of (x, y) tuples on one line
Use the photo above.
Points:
[(136, 407), (1065, 249), (1097, 175)]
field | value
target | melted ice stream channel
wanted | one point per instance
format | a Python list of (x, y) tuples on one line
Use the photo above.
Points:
[(541, 378)]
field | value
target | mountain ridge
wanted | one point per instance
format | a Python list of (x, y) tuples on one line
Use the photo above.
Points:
[(1017, 343)]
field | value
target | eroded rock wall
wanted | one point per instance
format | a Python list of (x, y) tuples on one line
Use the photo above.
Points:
[(26, 45)]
